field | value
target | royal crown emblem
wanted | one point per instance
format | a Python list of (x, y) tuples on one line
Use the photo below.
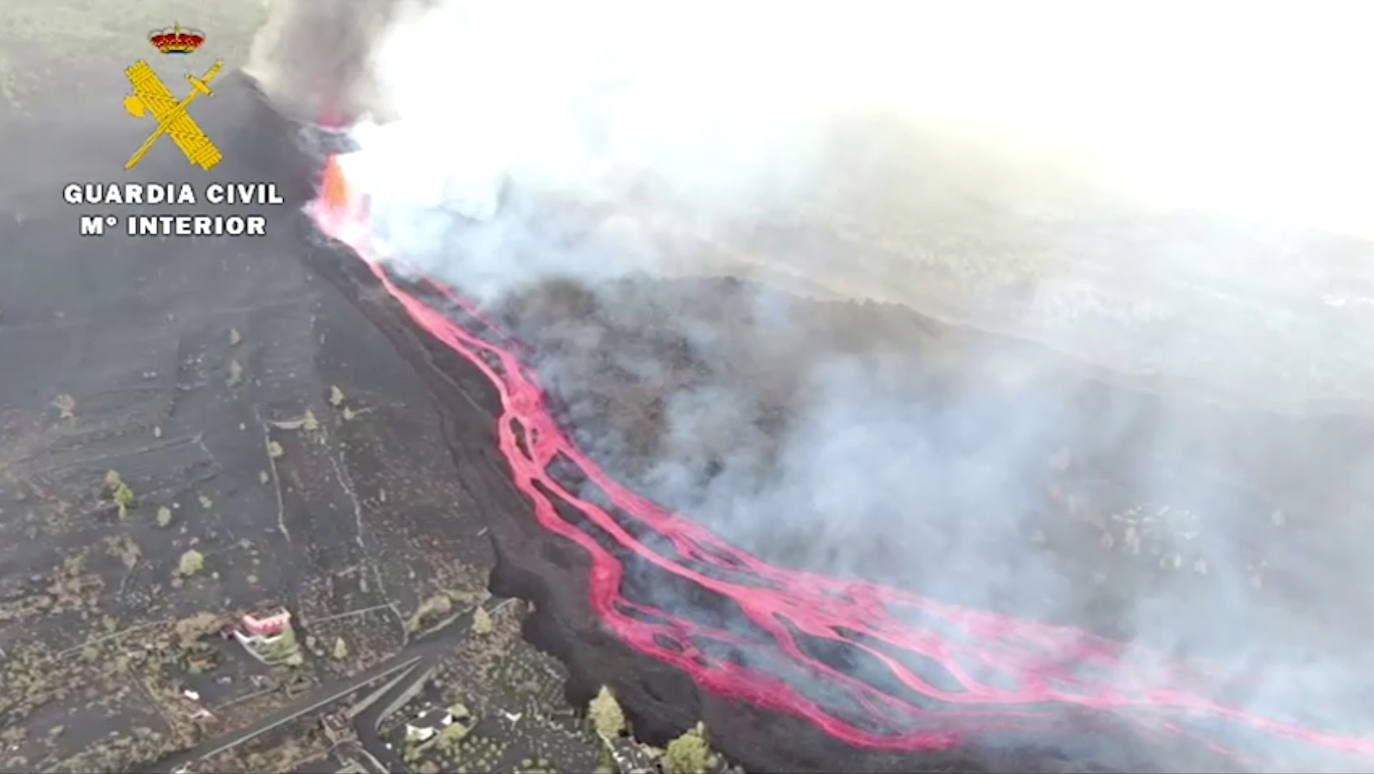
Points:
[(176, 39)]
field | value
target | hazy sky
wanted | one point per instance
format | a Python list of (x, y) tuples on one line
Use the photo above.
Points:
[(1260, 108)]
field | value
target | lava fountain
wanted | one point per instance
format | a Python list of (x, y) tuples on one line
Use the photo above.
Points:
[(871, 665)]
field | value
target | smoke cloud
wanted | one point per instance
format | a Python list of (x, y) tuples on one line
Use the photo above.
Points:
[(1160, 214)]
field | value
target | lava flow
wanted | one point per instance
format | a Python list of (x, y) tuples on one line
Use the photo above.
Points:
[(871, 665)]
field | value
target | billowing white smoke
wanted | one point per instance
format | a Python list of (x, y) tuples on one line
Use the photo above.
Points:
[(1252, 110), (1026, 189), (996, 147)]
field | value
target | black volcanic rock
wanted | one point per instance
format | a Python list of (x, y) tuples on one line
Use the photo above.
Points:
[(661, 701)]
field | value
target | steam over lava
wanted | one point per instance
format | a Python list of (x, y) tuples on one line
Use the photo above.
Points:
[(573, 151)]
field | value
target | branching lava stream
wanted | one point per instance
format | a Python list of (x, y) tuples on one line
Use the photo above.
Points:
[(871, 665)]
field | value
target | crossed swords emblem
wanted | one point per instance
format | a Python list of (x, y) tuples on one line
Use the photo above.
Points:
[(152, 96)]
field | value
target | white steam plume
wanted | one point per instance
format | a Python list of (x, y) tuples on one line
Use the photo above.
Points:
[(1045, 142), (1140, 187)]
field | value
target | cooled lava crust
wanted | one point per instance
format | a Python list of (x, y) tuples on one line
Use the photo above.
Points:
[(661, 700)]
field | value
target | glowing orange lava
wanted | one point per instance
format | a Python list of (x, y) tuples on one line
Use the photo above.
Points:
[(333, 187), (917, 673)]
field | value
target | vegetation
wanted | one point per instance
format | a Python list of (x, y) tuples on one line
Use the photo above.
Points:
[(481, 621), (430, 611), (164, 516), (607, 716), (452, 734), (340, 649), (689, 753), (125, 549), (119, 492), (193, 627), (191, 562)]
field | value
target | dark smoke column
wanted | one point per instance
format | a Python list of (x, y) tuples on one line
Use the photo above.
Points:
[(311, 58)]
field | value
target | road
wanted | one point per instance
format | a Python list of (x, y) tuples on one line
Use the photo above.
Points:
[(416, 660)]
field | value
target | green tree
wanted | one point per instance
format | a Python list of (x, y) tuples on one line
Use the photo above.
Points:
[(191, 562), (689, 753), (606, 715)]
